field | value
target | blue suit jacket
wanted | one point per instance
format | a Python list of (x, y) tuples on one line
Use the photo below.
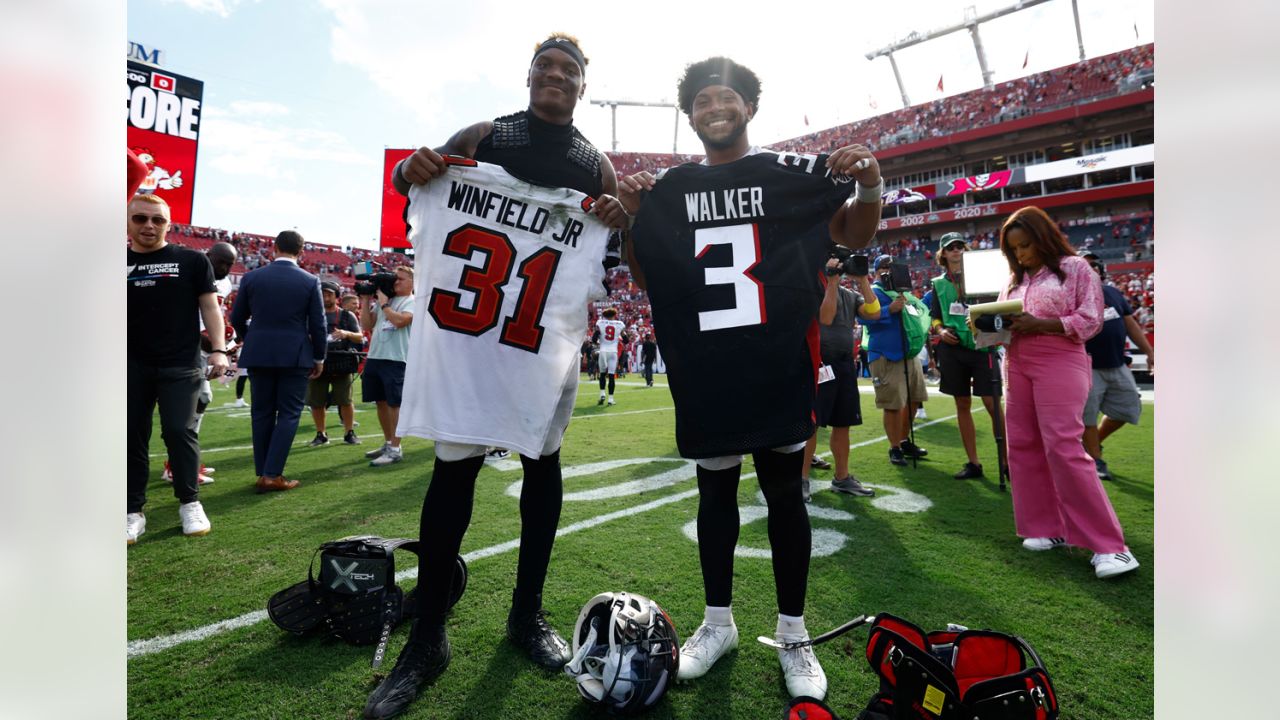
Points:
[(288, 329)]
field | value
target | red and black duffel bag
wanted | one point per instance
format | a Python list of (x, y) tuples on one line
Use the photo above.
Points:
[(955, 674)]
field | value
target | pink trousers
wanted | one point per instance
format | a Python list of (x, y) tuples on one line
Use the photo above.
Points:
[(1056, 491)]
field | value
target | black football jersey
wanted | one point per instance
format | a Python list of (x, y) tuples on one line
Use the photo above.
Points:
[(733, 257)]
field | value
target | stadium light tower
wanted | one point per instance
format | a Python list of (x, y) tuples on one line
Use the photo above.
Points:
[(971, 22), (613, 107)]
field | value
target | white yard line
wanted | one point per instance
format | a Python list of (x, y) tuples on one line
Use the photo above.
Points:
[(138, 648)]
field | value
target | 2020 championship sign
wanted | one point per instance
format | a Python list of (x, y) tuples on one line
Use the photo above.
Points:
[(164, 132)]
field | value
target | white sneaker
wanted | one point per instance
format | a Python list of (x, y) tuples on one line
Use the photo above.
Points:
[(1038, 544), (389, 456), (239, 403), (194, 521), (707, 644), (203, 479), (801, 669), (1107, 565), (611, 402), (921, 414), (134, 525), (373, 454)]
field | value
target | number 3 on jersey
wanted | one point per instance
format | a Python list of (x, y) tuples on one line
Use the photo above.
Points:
[(487, 281), (748, 292)]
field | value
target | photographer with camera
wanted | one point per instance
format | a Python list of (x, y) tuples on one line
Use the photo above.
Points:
[(341, 361), (386, 309), (966, 371), (900, 388), (838, 403)]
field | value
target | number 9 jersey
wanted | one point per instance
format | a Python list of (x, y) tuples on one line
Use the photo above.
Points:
[(733, 257), (504, 270)]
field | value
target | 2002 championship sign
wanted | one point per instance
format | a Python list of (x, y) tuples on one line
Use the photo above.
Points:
[(164, 132)]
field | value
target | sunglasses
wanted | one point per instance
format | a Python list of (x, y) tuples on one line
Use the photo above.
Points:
[(956, 246), (157, 220)]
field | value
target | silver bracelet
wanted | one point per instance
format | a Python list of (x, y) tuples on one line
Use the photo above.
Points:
[(870, 193)]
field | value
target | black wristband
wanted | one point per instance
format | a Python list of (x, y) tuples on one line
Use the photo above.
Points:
[(385, 305), (224, 352)]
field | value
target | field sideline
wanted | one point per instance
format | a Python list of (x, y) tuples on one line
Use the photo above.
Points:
[(928, 548)]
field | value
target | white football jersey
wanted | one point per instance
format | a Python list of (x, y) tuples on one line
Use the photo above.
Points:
[(610, 334), (504, 273)]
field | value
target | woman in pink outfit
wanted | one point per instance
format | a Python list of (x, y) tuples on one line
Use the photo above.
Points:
[(1057, 497)]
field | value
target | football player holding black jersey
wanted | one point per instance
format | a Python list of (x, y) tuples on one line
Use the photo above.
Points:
[(731, 251), (539, 145)]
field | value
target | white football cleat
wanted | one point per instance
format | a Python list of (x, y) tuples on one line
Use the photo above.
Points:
[(801, 669), (707, 645)]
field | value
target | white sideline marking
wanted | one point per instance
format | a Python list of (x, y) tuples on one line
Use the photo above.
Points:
[(146, 647), (154, 645), (302, 443), (138, 648), (624, 412)]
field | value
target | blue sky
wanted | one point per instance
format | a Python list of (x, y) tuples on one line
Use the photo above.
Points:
[(301, 98)]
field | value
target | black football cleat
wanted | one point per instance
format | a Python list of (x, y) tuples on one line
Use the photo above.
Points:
[(529, 630), (912, 450), (421, 661)]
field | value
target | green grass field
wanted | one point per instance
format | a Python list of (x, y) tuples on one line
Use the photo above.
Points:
[(956, 561)]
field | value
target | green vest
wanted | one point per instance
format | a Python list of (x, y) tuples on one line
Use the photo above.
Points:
[(944, 291), (915, 326)]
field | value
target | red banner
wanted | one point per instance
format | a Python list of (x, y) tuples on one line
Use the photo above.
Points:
[(163, 130), (974, 183), (971, 212), (393, 203)]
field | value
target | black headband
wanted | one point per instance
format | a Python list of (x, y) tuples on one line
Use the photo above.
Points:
[(716, 76), (564, 45)]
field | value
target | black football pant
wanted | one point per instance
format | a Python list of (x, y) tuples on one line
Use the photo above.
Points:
[(648, 372), (175, 390), (789, 533), (446, 513)]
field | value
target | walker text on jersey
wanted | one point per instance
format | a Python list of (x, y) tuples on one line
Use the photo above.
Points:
[(728, 204)]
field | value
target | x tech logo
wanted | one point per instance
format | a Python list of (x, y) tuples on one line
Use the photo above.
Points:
[(348, 576)]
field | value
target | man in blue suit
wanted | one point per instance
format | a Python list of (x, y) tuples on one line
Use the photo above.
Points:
[(280, 316)]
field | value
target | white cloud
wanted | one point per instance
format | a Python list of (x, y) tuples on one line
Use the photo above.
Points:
[(258, 108), (240, 146), (456, 63), (216, 7), (279, 203)]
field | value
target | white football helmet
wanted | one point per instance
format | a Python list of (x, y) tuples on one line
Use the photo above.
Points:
[(625, 652)]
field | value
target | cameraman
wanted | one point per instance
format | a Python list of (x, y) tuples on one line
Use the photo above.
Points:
[(389, 319), (838, 404), (895, 386), (340, 366), (966, 371)]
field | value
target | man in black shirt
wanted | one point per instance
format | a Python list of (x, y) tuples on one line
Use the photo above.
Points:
[(341, 361), (1113, 393), (731, 251), (648, 356), (838, 404), (541, 146), (170, 289)]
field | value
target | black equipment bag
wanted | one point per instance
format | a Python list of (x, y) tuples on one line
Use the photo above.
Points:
[(955, 675), (355, 598)]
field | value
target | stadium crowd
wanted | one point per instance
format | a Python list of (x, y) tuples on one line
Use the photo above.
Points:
[(1091, 79)]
